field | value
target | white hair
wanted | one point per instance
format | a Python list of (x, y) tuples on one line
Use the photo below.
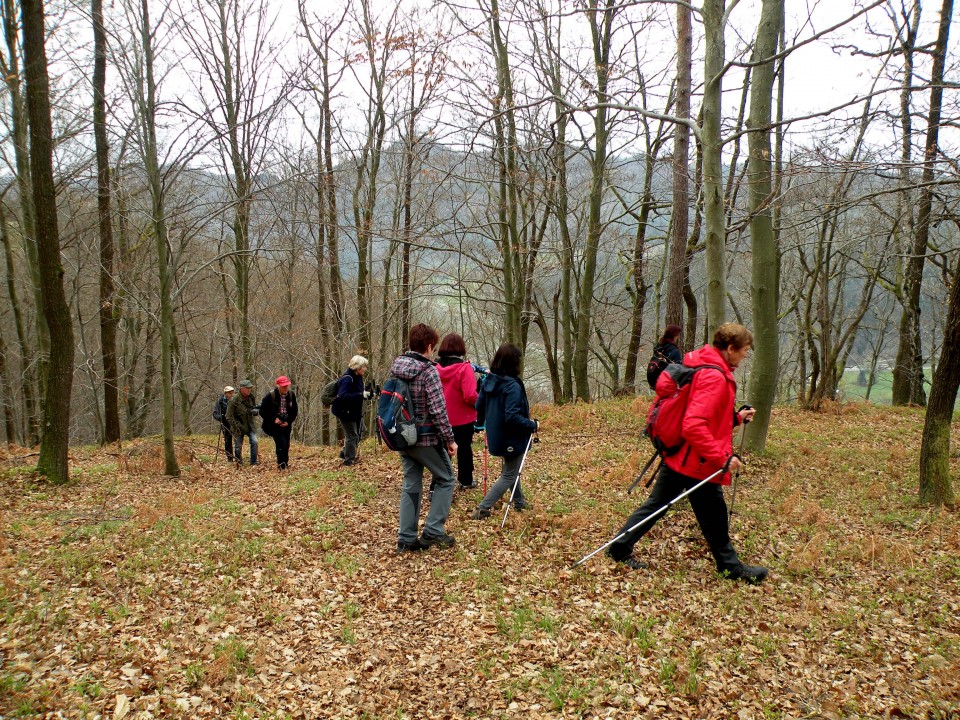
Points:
[(357, 362)]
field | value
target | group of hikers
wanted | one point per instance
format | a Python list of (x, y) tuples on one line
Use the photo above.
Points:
[(450, 403)]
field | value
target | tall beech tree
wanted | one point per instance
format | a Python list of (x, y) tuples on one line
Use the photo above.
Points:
[(765, 280), (108, 318), (908, 375), (935, 483), (58, 380)]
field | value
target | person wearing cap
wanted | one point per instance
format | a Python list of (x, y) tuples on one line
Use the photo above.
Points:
[(278, 410), (220, 415), (241, 412), (348, 406)]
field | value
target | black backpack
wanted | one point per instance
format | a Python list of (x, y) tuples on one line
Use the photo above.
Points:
[(657, 364)]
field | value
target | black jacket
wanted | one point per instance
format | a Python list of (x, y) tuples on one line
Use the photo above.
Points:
[(270, 410), (504, 411), (349, 403)]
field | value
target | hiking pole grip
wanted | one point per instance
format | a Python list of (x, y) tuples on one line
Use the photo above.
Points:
[(651, 516), (743, 436), (516, 481)]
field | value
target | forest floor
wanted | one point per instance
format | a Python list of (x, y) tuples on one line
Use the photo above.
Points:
[(255, 594)]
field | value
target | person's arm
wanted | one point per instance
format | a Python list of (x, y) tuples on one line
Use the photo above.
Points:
[(268, 411), (513, 411), (468, 385), (233, 422), (346, 391), (292, 409), (708, 388), (437, 405)]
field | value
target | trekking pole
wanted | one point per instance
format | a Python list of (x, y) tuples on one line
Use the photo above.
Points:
[(517, 481), (650, 517), (743, 435), (643, 472), (485, 454)]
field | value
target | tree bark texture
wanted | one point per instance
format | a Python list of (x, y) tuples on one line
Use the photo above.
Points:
[(908, 375), (765, 290), (713, 209), (55, 430), (108, 318), (681, 162)]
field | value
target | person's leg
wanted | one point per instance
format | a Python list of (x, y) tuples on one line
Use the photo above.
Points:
[(410, 494), (282, 441), (463, 434), (227, 442), (238, 449), (504, 483), (437, 461), (253, 447), (711, 511), (349, 453), (668, 486)]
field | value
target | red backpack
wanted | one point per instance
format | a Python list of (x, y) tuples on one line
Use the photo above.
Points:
[(665, 416)]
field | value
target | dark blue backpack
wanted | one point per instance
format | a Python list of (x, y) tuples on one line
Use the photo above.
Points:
[(396, 424)]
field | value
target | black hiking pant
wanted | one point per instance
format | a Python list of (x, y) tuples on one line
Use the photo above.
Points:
[(281, 436), (708, 505)]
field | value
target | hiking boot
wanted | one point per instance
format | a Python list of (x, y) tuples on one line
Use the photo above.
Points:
[(469, 486), (443, 540), (348, 463), (520, 507), (479, 514), (753, 574), (629, 562), (415, 546)]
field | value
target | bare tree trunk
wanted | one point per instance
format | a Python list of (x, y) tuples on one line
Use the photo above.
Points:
[(34, 363), (601, 27), (147, 112), (27, 372), (59, 377), (681, 162), (908, 375), (765, 290), (936, 487), (108, 319), (7, 399), (714, 22)]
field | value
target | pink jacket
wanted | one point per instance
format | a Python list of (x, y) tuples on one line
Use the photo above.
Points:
[(460, 392)]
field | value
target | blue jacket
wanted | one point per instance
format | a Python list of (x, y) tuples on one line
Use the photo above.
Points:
[(503, 410), (349, 403)]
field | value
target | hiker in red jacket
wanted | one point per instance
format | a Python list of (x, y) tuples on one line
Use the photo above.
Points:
[(708, 434)]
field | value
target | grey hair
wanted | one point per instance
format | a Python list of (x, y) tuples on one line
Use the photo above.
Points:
[(357, 362)]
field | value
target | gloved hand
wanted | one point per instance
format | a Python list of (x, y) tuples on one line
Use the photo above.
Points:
[(366, 394)]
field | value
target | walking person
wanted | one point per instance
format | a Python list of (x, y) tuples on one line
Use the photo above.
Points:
[(460, 393), (278, 410), (220, 415), (348, 406), (505, 413), (708, 434), (668, 344), (241, 412), (435, 445), (666, 351)]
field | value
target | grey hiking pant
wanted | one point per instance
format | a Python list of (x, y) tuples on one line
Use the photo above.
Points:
[(435, 459), (504, 484)]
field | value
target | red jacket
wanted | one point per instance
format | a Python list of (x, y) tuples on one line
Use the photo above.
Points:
[(709, 420), (460, 392)]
